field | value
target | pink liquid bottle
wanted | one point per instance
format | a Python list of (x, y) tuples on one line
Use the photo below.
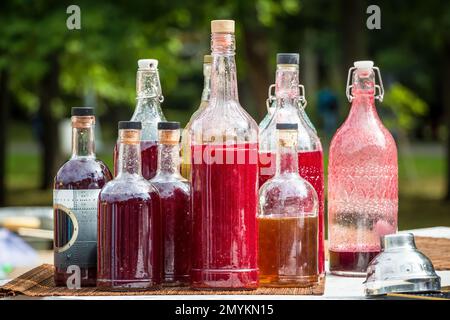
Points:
[(289, 108), (148, 112), (224, 178), (362, 178), (129, 222), (176, 217), (75, 199)]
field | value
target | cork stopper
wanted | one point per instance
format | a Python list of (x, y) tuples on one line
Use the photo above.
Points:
[(169, 132), (129, 136), (222, 26), (207, 58), (83, 122), (287, 134)]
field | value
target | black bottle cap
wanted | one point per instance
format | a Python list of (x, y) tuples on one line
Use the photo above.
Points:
[(137, 125), (82, 111), (168, 125), (288, 58), (287, 126)]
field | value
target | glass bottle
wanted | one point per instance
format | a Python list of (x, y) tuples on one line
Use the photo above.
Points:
[(148, 112), (176, 217), (186, 137), (224, 178), (288, 220), (290, 103), (362, 178), (76, 188), (129, 221)]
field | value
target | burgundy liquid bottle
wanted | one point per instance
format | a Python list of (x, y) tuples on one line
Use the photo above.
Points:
[(148, 112), (290, 106), (224, 178), (176, 217), (76, 188), (129, 226)]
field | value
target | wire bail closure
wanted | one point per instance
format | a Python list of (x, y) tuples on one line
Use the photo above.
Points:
[(302, 103), (380, 87)]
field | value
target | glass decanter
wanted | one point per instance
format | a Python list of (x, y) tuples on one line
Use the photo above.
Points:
[(176, 218), (129, 221), (290, 103), (148, 112), (288, 221), (362, 178), (186, 136), (224, 178), (75, 199)]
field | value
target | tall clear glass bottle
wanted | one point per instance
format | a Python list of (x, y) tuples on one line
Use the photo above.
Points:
[(76, 188), (129, 221), (176, 216), (224, 178), (288, 221), (362, 178), (186, 137), (289, 107), (148, 111)]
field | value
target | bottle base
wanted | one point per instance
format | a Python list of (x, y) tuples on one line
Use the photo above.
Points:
[(276, 281), (224, 279), (126, 285), (350, 263)]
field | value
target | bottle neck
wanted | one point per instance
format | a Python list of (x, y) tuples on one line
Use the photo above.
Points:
[(363, 104), (169, 159), (286, 85), (148, 94), (206, 93), (83, 145), (129, 160), (223, 73), (287, 156)]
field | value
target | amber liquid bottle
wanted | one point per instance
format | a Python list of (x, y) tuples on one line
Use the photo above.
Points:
[(76, 188)]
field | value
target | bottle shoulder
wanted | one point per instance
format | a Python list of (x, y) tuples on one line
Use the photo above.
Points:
[(88, 173), (172, 187), (129, 187)]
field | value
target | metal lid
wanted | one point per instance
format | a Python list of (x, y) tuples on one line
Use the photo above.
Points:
[(400, 267)]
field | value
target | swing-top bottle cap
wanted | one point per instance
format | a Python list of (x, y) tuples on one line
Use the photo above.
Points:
[(207, 58), (134, 125), (222, 26), (168, 125), (287, 126), (363, 64), (82, 111), (288, 58), (147, 64)]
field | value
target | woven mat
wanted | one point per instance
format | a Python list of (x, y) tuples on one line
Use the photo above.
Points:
[(437, 249), (38, 282)]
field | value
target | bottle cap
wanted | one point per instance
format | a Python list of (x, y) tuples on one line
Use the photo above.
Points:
[(207, 58), (147, 64), (288, 58), (136, 125), (287, 126), (222, 26), (363, 64), (168, 125), (82, 111)]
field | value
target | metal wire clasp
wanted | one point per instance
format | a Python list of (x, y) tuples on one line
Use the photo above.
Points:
[(270, 97), (301, 99), (380, 87)]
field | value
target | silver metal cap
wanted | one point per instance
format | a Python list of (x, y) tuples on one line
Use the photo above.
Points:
[(400, 267)]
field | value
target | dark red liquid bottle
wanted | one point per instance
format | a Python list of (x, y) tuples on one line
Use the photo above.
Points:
[(176, 217), (76, 188), (148, 112), (129, 222)]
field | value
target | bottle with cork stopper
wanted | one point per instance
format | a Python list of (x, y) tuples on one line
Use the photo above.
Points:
[(75, 199), (148, 111), (129, 221), (186, 136), (174, 191), (224, 170)]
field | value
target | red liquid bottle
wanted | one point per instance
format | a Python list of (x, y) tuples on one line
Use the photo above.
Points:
[(148, 112), (129, 225), (362, 178), (76, 188), (176, 216), (290, 107), (224, 178)]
